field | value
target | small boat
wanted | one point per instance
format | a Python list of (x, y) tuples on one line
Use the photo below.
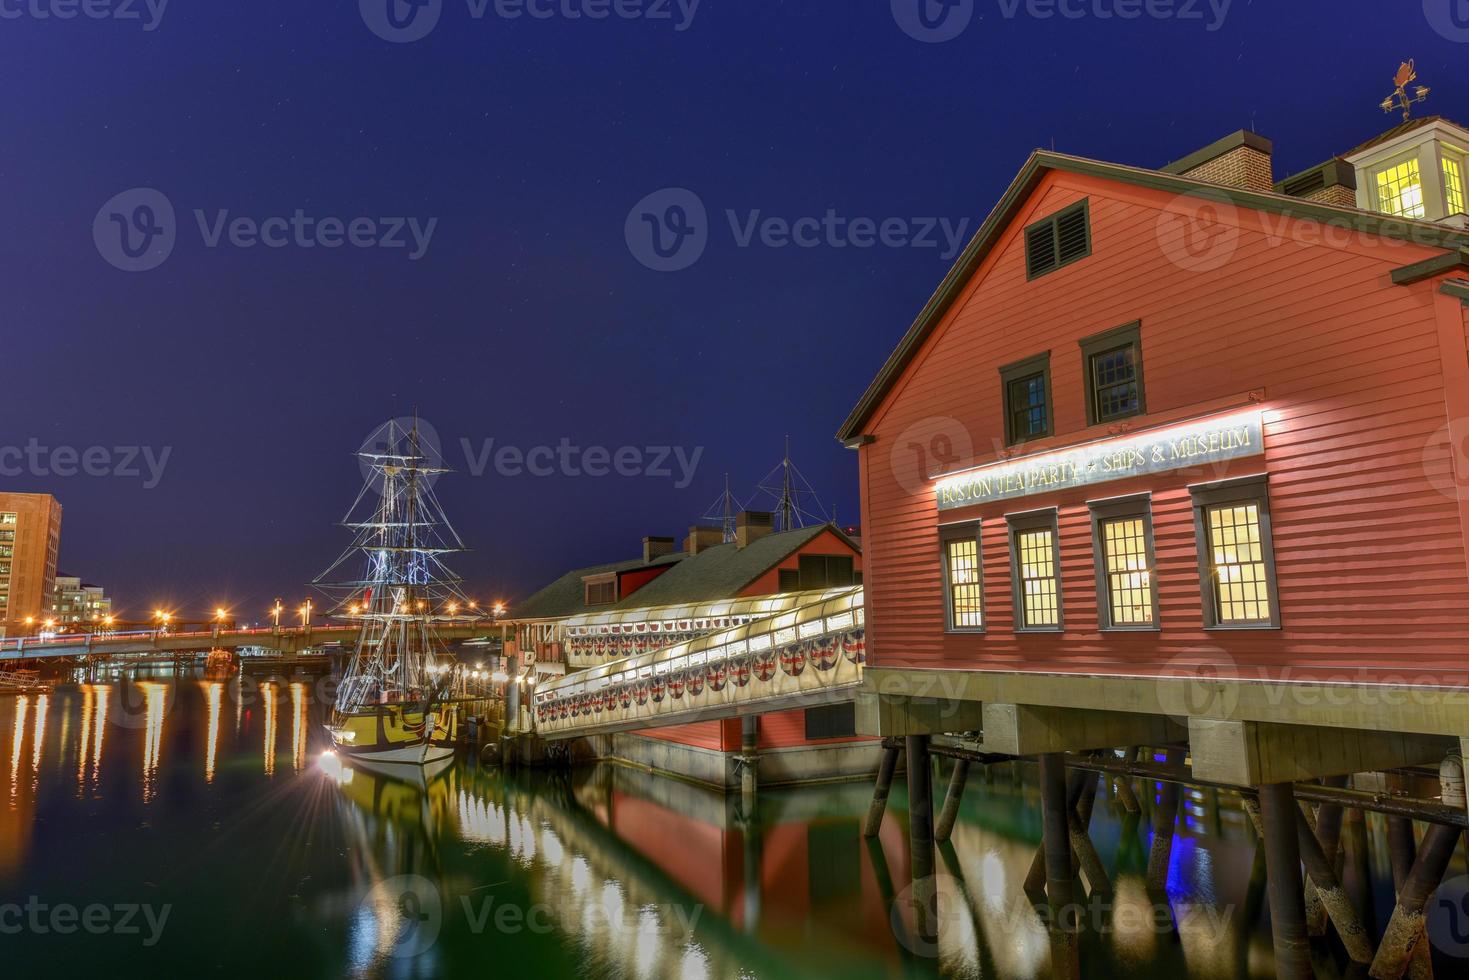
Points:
[(402, 698)]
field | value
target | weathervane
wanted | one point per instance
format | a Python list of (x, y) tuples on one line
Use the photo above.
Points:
[(1400, 99)]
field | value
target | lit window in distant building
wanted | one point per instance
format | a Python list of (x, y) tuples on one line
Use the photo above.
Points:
[(1453, 183), (7, 519), (963, 578), (1400, 190)]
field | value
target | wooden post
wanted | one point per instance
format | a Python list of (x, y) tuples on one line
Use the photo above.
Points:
[(1287, 891), (1164, 818), (1405, 929), (1035, 879), (1056, 811), (1330, 894), (879, 804), (920, 840), (952, 799)]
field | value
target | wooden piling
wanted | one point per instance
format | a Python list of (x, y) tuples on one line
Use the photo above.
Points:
[(1056, 813), (1164, 818), (952, 799), (1287, 891), (879, 805), (1405, 928), (1329, 893), (920, 839)]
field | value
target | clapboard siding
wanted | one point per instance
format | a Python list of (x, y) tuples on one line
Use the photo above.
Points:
[(1368, 544)]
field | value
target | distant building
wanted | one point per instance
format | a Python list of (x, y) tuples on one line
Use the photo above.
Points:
[(797, 744), (30, 536), (75, 602)]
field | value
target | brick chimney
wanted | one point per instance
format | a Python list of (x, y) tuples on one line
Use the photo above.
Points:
[(1334, 182), (752, 525), (702, 538), (1239, 160), (656, 548)]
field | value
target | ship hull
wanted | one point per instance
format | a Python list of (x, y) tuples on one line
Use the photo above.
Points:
[(396, 734)]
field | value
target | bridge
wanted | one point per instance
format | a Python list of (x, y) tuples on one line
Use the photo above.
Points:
[(285, 640), (811, 655)]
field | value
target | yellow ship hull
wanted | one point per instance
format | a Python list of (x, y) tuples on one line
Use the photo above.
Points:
[(397, 733)]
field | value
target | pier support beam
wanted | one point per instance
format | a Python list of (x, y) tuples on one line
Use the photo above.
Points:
[(920, 839), (1330, 894), (1031, 729), (749, 760), (1056, 811), (952, 799), (1405, 929), (1255, 753), (1287, 891), (1165, 818), (879, 804)]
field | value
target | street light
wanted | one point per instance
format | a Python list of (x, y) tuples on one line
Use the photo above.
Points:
[(276, 613), (306, 614), (499, 609)]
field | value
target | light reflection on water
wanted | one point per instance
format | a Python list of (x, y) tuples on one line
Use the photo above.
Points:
[(322, 868)]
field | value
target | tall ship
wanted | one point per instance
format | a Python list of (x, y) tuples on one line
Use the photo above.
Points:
[(401, 701)]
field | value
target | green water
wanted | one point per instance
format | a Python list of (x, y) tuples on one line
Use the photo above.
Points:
[(166, 826)]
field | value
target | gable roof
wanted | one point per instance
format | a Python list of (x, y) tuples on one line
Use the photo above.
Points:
[(722, 571), (567, 595), (1042, 162)]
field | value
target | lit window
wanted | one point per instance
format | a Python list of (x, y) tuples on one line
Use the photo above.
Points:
[(1127, 593), (1235, 546), (1129, 580), (1453, 183), (1400, 190), (963, 578), (1036, 571)]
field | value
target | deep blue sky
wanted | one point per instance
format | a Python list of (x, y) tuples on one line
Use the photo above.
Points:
[(529, 319)]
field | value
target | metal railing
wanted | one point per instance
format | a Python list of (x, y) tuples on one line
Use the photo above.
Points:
[(805, 655)]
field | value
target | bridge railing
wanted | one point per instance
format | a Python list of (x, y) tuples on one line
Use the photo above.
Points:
[(798, 655)]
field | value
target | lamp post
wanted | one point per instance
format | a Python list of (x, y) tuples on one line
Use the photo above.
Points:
[(276, 614), (306, 617)]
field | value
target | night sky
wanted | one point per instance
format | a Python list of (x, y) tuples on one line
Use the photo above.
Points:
[(528, 319)]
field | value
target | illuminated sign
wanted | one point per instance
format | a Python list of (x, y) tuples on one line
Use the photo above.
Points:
[(1210, 441)]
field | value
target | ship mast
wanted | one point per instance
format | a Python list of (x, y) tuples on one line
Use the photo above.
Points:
[(405, 587)]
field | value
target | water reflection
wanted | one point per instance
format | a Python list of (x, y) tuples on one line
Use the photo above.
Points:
[(602, 873), (267, 695), (214, 697), (155, 700)]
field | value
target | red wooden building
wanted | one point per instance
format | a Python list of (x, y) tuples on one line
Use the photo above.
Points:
[(1180, 458)]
